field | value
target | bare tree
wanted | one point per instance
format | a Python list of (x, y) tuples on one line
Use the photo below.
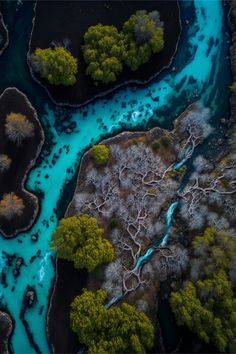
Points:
[(18, 128), (5, 163), (11, 206)]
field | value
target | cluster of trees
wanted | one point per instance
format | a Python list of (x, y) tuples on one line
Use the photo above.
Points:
[(17, 129), (106, 49), (11, 206), (56, 65), (82, 241), (118, 329), (100, 154), (206, 302)]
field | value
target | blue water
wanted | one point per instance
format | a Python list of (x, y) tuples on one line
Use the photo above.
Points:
[(200, 72)]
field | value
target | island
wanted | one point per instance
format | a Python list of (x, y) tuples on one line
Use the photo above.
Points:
[(21, 141), (59, 31)]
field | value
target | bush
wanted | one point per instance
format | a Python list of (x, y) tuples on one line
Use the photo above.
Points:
[(81, 241), (103, 49), (5, 163), (113, 223), (233, 87), (11, 206), (156, 145), (56, 65), (115, 330), (100, 154), (18, 128)]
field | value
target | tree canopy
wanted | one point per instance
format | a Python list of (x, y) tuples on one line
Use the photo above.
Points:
[(144, 36), (11, 206), (115, 330), (103, 50), (208, 308), (206, 303), (56, 65), (100, 154), (106, 49), (82, 241), (18, 128)]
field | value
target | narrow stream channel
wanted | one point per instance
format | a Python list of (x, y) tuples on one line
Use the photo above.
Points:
[(200, 71)]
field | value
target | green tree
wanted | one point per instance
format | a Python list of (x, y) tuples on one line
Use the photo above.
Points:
[(114, 330), (213, 250), (56, 65), (82, 241), (100, 154), (102, 50), (208, 308), (233, 87), (143, 37)]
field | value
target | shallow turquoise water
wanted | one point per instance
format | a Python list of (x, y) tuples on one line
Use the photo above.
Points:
[(200, 66)]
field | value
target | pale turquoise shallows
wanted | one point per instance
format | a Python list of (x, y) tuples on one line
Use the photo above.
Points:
[(200, 67)]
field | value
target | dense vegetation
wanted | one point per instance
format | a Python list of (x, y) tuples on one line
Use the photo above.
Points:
[(81, 241), (106, 49), (115, 330), (206, 302), (100, 154), (18, 128), (103, 50), (56, 65)]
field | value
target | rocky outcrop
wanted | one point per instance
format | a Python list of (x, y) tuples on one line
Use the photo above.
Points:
[(6, 328)]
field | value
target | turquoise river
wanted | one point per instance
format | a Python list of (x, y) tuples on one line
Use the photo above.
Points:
[(199, 71)]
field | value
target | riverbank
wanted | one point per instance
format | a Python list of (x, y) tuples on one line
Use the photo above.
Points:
[(6, 326), (23, 159), (4, 36), (47, 30)]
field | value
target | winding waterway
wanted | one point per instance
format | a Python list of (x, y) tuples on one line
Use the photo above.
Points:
[(200, 71)]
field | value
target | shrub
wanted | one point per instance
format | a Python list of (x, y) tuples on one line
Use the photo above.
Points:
[(113, 223), (5, 163), (18, 128), (56, 65), (11, 206), (156, 145), (100, 154), (233, 87)]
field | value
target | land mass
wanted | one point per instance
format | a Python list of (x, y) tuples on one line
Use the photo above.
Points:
[(71, 20), (23, 158), (140, 143)]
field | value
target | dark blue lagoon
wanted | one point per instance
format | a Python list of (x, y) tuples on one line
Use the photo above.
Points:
[(199, 71)]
